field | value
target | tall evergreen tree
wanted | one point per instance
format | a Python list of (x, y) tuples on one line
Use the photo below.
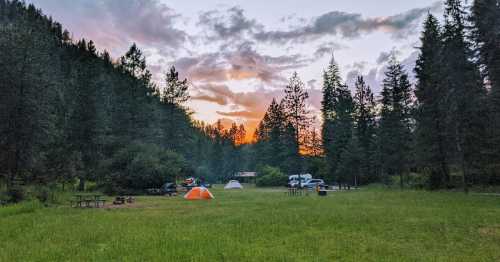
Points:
[(337, 109), (465, 97), (394, 134), (176, 91), (486, 33), (364, 123), (430, 114), (297, 114), (273, 146)]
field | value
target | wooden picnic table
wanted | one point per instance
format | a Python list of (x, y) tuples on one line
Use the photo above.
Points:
[(88, 200), (294, 191)]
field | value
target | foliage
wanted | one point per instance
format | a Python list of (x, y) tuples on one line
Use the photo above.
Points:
[(176, 91), (485, 17), (276, 139), (431, 120), (270, 177), (141, 166), (364, 134), (15, 194), (71, 113), (394, 133), (337, 110), (66, 109)]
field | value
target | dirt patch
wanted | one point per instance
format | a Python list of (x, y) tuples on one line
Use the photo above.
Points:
[(491, 231)]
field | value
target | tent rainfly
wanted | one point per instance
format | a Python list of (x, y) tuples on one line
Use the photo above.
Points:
[(199, 193), (233, 184)]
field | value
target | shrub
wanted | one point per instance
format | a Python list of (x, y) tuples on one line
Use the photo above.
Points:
[(138, 167), (15, 194), (271, 176), (42, 194)]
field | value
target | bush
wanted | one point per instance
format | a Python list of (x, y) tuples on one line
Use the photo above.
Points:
[(43, 194), (138, 167), (271, 176), (15, 194)]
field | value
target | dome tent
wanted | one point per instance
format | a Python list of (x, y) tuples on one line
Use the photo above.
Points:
[(233, 184), (198, 193)]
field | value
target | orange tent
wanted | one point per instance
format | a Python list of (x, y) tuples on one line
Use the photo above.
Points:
[(198, 193)]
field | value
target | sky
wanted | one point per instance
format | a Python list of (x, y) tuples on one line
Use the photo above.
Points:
[(238, 55)]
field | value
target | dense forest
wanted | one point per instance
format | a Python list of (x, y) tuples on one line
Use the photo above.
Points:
[(70, 114)]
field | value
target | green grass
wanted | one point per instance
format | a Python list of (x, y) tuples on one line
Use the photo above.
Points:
[(262, 225)]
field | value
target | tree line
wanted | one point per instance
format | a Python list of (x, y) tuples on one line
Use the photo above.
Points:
[(442, 132), (69, 113)]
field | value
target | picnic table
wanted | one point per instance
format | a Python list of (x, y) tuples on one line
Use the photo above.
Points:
[(88, 200), (294, 191)]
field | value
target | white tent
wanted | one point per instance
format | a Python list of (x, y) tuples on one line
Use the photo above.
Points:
[(233, 184)]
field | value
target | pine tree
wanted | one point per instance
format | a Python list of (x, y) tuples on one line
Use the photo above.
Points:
[(176, 91), (486, 33), (350, 164), (27, 88), (134, 63), (140, 92), (241, 135), (465, 96), (394, 137), (364, 123), (297, 114), (314, 146), (430, 114), (272, 142), (337, 110)]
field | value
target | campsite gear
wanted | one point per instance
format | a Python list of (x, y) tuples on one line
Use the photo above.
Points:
[(206, 185), (169, 189), (233, 184), (198, 193), (130, 199), (190, 181), (119, 200)]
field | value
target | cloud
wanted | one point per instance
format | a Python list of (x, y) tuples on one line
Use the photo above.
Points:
[(230, 23), (383, 57), (245, 107), (375, 75), (250, 105), (240, 63), (349, 25), (115, 24), (243, 114), (326, 49), (213, 99), (372, 79)]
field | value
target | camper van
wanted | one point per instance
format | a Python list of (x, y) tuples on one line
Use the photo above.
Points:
[(293, 180)]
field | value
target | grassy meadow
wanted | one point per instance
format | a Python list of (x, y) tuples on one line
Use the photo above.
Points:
[(261, 225)]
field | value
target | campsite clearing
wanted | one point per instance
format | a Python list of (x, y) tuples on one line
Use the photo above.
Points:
[(262, 225)]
